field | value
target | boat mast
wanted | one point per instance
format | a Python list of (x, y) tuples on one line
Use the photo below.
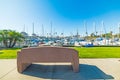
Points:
[(24, 28), (94, 25), (51, 30), (103, 28), (85, 28), (119, 30), (33, 27), (42, 30)]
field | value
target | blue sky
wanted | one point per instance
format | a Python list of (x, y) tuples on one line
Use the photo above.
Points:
[(66, 15)]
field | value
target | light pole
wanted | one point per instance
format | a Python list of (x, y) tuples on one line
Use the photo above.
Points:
[(86, 29)]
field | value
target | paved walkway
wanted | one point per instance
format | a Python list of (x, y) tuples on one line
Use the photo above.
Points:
[(90, 69)]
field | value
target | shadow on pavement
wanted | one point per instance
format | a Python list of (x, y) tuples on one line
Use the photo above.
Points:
[(64, 72)]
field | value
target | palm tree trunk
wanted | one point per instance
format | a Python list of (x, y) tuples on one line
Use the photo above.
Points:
[(14, 42), (5, 43), (10, 43)]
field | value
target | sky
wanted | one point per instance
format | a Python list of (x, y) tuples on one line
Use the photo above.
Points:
[(66, 16)]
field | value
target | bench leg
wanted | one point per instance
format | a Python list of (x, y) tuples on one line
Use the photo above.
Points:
[(21, 67), (75, 66)]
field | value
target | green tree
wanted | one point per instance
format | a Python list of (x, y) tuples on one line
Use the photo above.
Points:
[(10, 37), (92, 35)]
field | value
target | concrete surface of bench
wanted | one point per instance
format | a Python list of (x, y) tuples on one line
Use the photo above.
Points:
[(27, 56)]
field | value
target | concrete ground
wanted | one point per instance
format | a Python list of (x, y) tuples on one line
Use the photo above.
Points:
[(90, 69)]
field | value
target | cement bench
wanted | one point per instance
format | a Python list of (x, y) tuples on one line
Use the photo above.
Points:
[(27, 56)]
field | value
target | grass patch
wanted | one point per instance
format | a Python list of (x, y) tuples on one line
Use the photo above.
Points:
[(98, 52), (9, 53), (84, 52)]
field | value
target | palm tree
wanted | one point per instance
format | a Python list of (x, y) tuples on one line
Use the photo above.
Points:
[(10, 37), (111, 33), (4, 37)]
